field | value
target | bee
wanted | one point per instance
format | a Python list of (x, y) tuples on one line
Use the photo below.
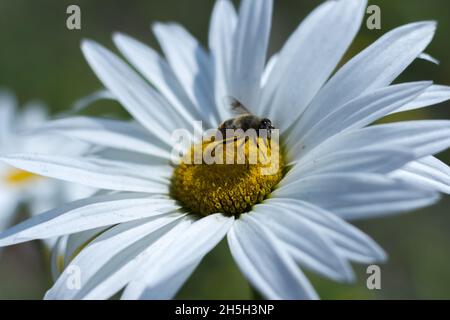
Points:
[(245, 120)]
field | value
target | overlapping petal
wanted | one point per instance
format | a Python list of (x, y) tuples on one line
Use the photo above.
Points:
[(308, 58), (86, 214), (97, 173), (266, 263), (249, 53), (373, 68)]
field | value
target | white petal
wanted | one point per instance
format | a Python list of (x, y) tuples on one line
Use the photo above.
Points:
[(221, 33), (158, 72), (34, 113), (373, 160), (86, 101), (8, 206), (9, 201), (108, 133), (191, 64), (87, 214), (265, 263), (357, 113), (250, 49), (186, 250), (433, 95), (424, 137), (309, 57), (77, 241), (126, 269), (429, 58), (268, 69), (97, 173), (163, 291), (200, 238), (145, 104), (57, 253), (304, 241), (111, 251), (350, 241), (353, 196), (123, 156), (375, 67), (427, 171)]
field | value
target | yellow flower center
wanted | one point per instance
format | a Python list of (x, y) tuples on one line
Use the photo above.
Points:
[(16, 177), (233, 183)]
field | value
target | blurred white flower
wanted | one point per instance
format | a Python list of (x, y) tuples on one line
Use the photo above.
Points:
[(18, 187), (146, 238)]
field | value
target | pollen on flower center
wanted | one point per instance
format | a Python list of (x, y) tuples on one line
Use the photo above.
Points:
[(229, 188), (19, 177)]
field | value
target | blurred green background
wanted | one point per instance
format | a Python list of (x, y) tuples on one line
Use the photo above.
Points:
[(40, 59)]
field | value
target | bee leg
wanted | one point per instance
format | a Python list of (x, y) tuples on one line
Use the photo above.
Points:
[(264, 151), (259, 147), (267, 146)]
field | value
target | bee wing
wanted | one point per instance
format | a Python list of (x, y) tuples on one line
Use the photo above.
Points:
[(236, 106)]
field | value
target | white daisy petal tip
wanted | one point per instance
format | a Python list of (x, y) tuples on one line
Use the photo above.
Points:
[(434, 95), (86, 43), (379, 254), (121, 39), (429, 58), (430, 25), (160, 27), (156, 24), (90, 49), (118, 36)]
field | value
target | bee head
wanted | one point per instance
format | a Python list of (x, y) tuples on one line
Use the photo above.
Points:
[(266, 124)]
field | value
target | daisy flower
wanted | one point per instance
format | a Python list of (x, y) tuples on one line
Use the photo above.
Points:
[(155, 221), (19, 187)]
